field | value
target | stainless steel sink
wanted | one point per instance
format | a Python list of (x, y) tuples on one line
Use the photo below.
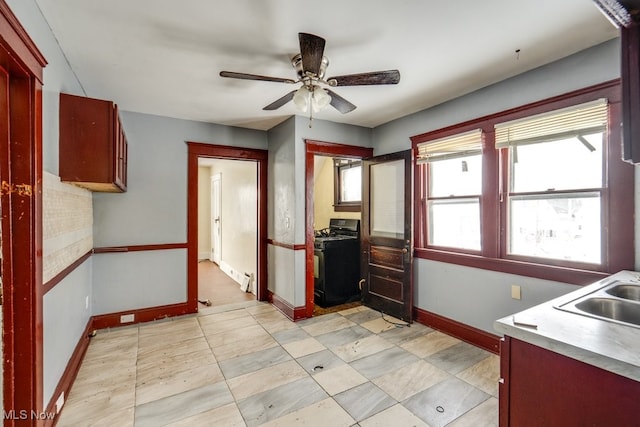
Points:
[(616, 301), (626, 291), (614, 309)]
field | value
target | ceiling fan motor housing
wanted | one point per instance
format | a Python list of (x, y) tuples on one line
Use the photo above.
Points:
[(296, 61)]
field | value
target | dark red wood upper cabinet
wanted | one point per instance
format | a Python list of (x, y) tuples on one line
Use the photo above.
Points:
[(630, 76), (93, 146)]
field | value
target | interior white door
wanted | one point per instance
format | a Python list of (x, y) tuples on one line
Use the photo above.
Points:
[(216, 225)]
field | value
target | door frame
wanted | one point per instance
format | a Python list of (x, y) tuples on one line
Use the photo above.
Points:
[(313, 148), (21, 199), (199, 149), (215, 250)]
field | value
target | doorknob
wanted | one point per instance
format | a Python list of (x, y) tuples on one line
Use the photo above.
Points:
[(405, 250), (216, 220)]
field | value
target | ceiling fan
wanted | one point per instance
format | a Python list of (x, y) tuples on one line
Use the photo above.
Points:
[(310, 65)]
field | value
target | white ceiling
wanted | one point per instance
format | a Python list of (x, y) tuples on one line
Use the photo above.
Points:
[(163, 57)]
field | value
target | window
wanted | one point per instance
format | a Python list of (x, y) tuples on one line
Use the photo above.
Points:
[(454, 189), (348, 185), (556, 183), (539, 190)]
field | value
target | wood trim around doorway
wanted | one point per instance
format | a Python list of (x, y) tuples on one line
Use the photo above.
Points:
[(322, 148), (196, 150), (21, 199)]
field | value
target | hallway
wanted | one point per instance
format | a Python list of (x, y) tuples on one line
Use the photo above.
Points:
[(214, 285), (246, 364)]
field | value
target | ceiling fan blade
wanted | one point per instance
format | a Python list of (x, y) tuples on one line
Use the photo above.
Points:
[(280, 102), (245, 76), (339, 103), (311, 50), (389, 77)]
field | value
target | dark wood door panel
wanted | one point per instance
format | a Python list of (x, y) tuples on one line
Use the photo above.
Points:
[(386, 287), (387, 257)]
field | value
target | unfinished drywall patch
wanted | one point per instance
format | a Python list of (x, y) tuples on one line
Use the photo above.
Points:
[(67, 217)]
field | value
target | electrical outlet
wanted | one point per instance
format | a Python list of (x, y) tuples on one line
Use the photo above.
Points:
[(127, 318), (516, 292)]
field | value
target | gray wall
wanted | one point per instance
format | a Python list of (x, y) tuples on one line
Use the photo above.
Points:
[(591, 66), (472, 296), (287, 191), (152, 211)]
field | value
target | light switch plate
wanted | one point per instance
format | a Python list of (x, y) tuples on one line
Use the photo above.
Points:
[(516, 292)]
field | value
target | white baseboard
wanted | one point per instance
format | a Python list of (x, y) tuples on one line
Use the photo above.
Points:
[(203, 255), (236, 275)]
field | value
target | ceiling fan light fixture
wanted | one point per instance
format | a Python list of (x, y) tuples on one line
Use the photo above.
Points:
[(301, 99), (319, 99)]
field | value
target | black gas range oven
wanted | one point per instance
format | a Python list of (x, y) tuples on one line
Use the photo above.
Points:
[(336, 263)]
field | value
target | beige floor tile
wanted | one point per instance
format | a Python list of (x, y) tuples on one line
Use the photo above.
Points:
[(158, 335), (104, 345), (222, 317), (265, 379), (322, 414), (303, 347), (109, 418), (177, 382), (98, 404), (269, 316), (147, 356), (380, 325), (261, 307), (361, 348), (484, 375), (228, 416), (279, 325), (483, 415), (429, 344), (211, 328), (339, 379), (244, 346), (331, 325), (165, 368), (397, 415), (230, 337), (411, 379), (116, 383), (353, 310)]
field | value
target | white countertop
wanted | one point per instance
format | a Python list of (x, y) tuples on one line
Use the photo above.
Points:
[(607, 345)]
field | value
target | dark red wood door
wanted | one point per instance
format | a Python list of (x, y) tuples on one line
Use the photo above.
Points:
[(387, 248)]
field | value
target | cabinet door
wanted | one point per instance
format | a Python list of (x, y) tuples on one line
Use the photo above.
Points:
[(548, 389), (120, 154)]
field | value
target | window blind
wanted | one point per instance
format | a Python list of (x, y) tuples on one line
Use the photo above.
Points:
[(574, 121), (451, 147)]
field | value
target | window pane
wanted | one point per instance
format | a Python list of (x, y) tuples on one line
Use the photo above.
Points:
[(561, 165), (455, 223), (351, 184), (456, 177), (565, 227), (386, 198)]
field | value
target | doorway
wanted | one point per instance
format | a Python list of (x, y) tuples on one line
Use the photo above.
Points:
[(208, 154), (319, 150), (227, 231)]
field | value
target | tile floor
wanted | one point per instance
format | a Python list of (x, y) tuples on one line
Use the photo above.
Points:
[(247, 365)]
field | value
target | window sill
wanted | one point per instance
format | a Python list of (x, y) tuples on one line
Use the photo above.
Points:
[(540, 271), (347, 208)]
